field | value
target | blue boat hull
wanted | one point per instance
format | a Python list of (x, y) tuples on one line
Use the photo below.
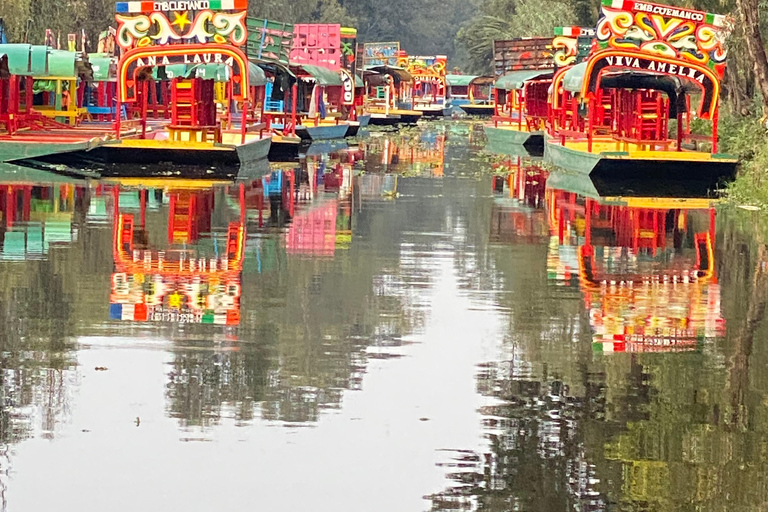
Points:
[(322, 132)]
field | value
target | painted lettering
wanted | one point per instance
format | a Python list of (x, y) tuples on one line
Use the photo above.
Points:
[(182, 5)]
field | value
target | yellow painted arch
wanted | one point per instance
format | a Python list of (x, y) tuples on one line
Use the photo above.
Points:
[(612, 52), (177, 50)]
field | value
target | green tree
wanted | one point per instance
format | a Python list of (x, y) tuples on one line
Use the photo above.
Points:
[(506, 19)]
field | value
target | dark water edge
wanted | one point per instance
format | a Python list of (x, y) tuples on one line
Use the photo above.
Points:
[(410, 323)]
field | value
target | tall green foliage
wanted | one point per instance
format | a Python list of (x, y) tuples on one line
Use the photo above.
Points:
[(505, 19)]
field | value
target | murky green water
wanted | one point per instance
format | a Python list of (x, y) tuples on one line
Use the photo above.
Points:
[(409, 324)]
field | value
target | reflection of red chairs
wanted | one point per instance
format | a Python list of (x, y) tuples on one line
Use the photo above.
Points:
[(174, 285)]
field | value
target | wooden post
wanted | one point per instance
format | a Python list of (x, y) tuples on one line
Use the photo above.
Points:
[(588, 222), (118, 116), (590, 121), (143, 206), (244, 121), (144, 100), (294, 93), (715, 117), (679, 105)]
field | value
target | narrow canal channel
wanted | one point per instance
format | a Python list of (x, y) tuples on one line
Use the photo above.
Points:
[(409, 323)]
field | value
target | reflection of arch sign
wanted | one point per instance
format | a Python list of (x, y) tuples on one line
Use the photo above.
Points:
[(347, 88), (700, 75), (191, 54)]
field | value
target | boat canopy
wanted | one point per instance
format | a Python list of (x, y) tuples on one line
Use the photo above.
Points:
[(273, 67), (398, 73), (323, 76), (104, 67), (256, 75), (221, 73), (516, 79), (482, 81), (69, 65), (169, 71), (19, 58), (574, 77), (459, 80), (358, 82)]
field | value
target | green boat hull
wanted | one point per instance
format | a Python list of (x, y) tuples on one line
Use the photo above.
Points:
[(513, 142), (12, 150), (570, 159), (611, 174)]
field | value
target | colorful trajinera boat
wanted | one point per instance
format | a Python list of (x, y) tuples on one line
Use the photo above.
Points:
[(480, 97), (429, 86), (457, 93), (388, 84), (216, 125), (38, 102), (610, 115), (326, 89), (524, 69)]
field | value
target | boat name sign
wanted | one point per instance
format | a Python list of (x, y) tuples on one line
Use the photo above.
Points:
[(706, 78), (672, 12), (196, 58), (658, 66)]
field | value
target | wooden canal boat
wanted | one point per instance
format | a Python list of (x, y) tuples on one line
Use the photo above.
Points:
[(520, 108), (390, 99), (610, 114), (316, 61), (429, 87), (195, 131), (317, 112), (29, 130), (456, 93), (524, 69), (480, 96)]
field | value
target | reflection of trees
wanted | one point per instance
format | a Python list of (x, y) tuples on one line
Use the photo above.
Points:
[(537, 447), (692, 423), (43, 300)]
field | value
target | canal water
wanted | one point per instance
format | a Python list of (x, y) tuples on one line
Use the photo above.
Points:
[(406, 323)]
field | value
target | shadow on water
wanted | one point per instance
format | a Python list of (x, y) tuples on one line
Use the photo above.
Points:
[(467, 331)]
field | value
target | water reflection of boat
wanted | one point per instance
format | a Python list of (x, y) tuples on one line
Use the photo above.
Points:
[(38, 211), (518, 212), (423, 154), (194, 277), (325, 223), (644, 265)]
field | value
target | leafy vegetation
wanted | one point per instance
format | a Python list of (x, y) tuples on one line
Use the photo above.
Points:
[(505, 19)]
